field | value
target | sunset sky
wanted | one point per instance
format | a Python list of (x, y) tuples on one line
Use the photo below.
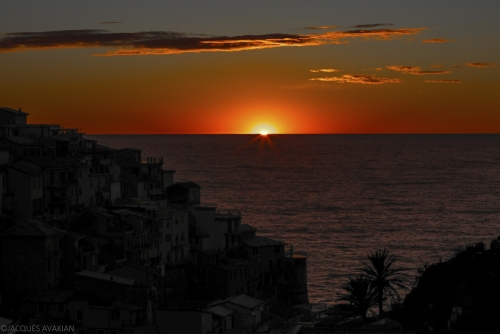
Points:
[(308, 66)]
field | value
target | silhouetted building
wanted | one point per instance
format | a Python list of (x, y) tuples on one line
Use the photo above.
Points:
[(9, 116)]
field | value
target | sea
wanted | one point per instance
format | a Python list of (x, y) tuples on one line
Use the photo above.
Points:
[(340, 197)]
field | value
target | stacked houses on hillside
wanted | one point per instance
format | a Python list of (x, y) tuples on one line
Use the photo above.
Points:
[(104, 242)]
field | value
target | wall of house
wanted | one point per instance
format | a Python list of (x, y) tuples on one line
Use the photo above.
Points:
[(8, 118), (256, 312), (4, 157), (3, 188), (27, 260), (183, 321), (180, 235), (168, 178), (26, 188), (214, 230)]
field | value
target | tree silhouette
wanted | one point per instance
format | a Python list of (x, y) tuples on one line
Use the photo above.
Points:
[(383, 277), (360, 293)]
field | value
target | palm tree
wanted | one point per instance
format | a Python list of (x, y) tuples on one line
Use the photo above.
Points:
[(360, 294), (383, 277)]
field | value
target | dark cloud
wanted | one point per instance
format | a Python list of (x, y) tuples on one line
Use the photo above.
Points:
[(436, 40), (168, 42), (110, 22), (480, 65), (445, 81), (373, 25), (415, 70), (320, 27), (359, 79)]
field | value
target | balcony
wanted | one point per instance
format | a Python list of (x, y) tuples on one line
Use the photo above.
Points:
[(63, 183), (86, 249), (225, 214)]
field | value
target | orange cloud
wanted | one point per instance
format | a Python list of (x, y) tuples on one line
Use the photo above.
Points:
[(480, 65), (359, 79), (327, 70), (445, 81), (437, 66), (168, 42), (436, 40), (415, 70), (374, 33)]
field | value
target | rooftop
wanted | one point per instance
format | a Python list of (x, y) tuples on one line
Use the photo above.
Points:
[(259, 241), (32, 228), (14, 111), (241, 300), (48, 162), (106, 277), (186, 185), (134, 273), (220, 310), (247, 228), (51, 296)]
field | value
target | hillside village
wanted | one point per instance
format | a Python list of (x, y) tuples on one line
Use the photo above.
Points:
[(104, 241)]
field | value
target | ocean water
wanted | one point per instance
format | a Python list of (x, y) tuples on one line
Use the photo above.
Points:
[(339, 197)]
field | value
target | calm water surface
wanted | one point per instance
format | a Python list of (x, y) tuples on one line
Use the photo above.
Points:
[(338, 197)]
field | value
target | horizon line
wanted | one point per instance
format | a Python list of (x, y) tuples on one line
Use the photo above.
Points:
[(300, 134)]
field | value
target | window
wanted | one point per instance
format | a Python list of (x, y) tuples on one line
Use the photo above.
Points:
[(277, 249), (255, 251), (271, 264), (80, 191), (168, 238), (80, 173)]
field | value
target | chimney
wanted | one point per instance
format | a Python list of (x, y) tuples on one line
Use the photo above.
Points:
[(20, 109)]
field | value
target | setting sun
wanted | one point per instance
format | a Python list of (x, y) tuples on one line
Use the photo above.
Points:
[(264, 129)]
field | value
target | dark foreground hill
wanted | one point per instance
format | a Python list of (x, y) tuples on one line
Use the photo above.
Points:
[(461, 295)]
